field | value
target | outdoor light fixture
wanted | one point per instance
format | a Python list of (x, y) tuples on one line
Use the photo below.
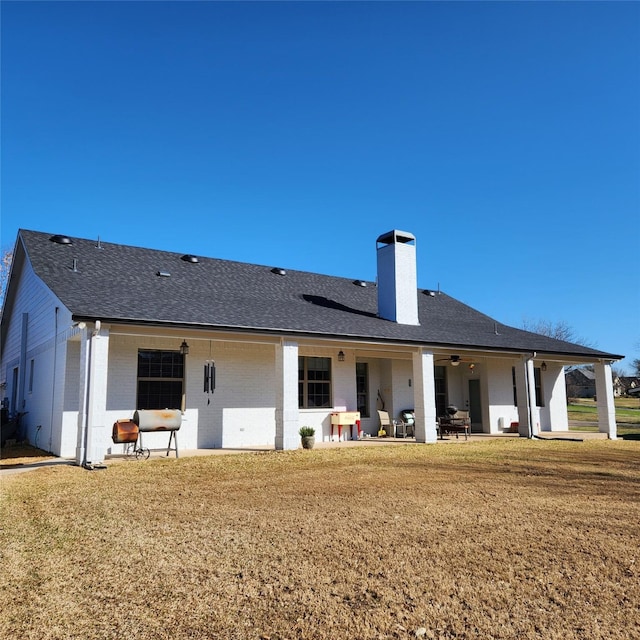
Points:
[(455, 361), (543, 366), (184, 348), (341, 356), (472, 366)]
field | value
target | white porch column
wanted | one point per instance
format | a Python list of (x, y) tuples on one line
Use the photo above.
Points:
[(528, 414), (92, 428), (287, 412), (424, 396), (606, 406), (522, 391), (534, 412)]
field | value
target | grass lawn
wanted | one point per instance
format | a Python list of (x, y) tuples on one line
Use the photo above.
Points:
[(582, 411), (22, 454), (504, 539)]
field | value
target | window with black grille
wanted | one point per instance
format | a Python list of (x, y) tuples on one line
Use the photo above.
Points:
[(160, 379), (314, 382)]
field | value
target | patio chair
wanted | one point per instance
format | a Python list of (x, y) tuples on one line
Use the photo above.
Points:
[(386, 426), (405, 427)]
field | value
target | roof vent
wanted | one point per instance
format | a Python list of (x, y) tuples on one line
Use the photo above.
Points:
[(360, 283), (163, 274), (278, 271), (58, 239), (189, 258)]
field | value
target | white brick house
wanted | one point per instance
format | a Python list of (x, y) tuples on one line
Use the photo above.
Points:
[(92, 331)]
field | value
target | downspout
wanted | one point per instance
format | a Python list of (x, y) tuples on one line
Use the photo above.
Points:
[(23, 364), (88, 449), (19, 409), (85, 409)]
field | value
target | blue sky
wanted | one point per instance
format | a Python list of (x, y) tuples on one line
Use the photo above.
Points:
[(504, 136)]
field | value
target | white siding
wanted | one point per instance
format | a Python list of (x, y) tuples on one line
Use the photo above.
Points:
[(46, 334), (34, 298)]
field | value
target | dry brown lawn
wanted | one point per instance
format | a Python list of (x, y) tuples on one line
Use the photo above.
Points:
[(22, 455), (498, 539)]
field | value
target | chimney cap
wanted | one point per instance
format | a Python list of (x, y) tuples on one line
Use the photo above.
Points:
[(394, 236)]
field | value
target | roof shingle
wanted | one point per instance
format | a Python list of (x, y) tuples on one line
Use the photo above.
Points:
[(120, 283)]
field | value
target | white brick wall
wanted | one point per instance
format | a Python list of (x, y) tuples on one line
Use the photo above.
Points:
[(500, 388), (239, 413)]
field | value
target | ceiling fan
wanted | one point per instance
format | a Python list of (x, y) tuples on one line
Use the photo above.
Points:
[(454, 361)]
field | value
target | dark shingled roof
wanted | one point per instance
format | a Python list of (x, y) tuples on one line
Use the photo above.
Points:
[(120, 283)]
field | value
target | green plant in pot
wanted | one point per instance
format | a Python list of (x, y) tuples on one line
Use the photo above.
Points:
[(307, 434)]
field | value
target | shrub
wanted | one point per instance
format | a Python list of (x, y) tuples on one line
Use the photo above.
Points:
[(306, 432)]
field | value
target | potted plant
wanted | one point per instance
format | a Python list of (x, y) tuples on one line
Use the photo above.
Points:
[(307, 435)]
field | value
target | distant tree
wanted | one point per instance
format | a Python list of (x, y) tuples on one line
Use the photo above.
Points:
[(635, 364), (617, 372), (558, 330), (5, 267)]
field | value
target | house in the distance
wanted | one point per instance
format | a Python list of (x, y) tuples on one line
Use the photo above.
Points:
[(92, 331), (626, 385), (581, 383)]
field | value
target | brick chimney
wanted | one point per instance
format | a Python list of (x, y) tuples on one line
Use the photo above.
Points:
[(397, 277)]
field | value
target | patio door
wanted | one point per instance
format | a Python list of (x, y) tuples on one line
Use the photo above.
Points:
[(475, 406)]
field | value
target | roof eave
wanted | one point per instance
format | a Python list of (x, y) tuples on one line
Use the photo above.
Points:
[(274, 331)]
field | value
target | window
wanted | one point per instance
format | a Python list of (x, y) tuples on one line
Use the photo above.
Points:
[(314, 382), (538, 381), (538, 386), (160, 379), (440, 375), (362, 388)]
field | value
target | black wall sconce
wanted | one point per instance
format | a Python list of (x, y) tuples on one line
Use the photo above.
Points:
[(543, 366), (184, 348), (341, 356)]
